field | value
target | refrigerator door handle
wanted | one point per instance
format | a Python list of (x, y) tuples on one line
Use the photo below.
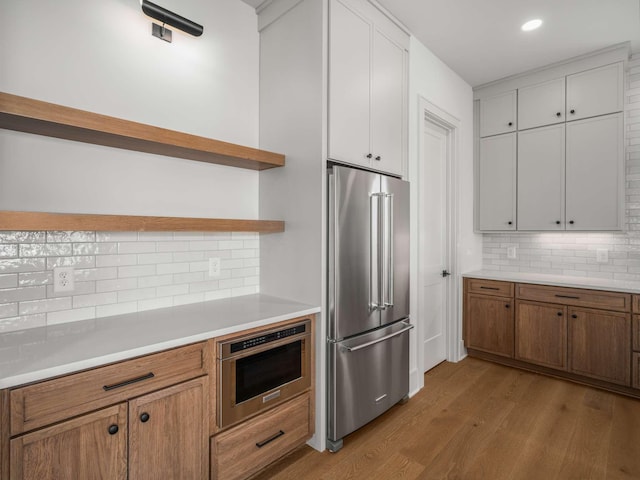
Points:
[(376, 270), (378, 340), (389, 250)]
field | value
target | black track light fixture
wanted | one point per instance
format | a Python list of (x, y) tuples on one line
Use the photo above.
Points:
[(167, 17)]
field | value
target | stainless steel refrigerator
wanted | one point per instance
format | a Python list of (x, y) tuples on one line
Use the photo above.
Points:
[(368, 292)]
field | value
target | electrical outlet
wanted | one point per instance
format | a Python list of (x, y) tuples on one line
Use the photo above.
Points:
[(602, 255), (214, 266), (63, 279), (511, 253)]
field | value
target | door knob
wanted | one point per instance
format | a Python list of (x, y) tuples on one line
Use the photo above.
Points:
[(445, 273)]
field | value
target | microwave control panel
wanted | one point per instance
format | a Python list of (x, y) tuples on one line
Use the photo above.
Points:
[(267, 338)]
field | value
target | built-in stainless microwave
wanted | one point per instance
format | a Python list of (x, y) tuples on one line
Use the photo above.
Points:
[(262, 370)]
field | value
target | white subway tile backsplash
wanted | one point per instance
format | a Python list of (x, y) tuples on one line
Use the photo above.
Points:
[(154, 258), (229, 244), (180, 246), (76, 262), (86, 274), (9, 280), (116, 284), (67, 237), (136, 247), (191, 277), (8, 310), (116, 260), (23, 237), (172, 290), (81, 288), (44, 306), (22, 322), (186, 299), (155, 303), (165, 268), (116, 309), (9, 251), (22, 265), (136, 271), (155, 280), (8, 295), (91, 300), (116, 236), (137, 294), (188, 256), (106, 248)]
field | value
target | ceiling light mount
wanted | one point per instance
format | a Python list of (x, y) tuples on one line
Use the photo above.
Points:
[(167, 17), (531, 25)]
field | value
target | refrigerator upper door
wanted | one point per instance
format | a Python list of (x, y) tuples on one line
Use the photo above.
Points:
[(354, 274), (395, 249)]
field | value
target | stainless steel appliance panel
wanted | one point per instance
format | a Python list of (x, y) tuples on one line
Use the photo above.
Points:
[(369, 374), (354, 265), (395, 249)]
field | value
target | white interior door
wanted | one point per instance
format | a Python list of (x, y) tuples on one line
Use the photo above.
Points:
[(432, 301)]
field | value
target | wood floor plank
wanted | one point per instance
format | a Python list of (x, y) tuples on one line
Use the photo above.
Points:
[(478, 420)]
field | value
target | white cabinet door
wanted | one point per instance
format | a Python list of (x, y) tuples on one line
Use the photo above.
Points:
[(541, 104), (498, 114), (349, 85), (497, 183), (595, 92), (595, 168), (387, 104), (541, 178)]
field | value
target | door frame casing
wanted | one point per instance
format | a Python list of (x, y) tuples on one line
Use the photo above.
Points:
[(430, 112)]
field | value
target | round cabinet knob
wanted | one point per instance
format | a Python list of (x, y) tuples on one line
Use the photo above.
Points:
[(572, 111), (557, 222), (378, 158), (558, 114), (510, 223), (369, 155), (510, 124), (144, 417), (571, 222), (113, 429), (506, 305), (574, 316), (559, 314)]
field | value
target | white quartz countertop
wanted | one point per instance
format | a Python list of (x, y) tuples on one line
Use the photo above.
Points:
[(625, 286), (39, 353)]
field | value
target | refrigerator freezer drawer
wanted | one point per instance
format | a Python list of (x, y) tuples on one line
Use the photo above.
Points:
[(370, 374)]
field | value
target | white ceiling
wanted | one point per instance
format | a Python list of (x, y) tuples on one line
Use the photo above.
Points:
[(481, 40)]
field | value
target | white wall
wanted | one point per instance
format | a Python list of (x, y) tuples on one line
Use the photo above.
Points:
[(434, 81), (100, 56)]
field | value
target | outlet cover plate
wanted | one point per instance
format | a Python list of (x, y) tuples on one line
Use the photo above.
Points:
[(63, 279), (214, 266), (511, 253)]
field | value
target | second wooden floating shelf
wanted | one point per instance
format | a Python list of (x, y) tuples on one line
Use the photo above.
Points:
[(34, 116), (38, 221)]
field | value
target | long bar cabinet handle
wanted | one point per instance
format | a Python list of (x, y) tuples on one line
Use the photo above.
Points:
[(567, 296), (270, 439), (149, 375)]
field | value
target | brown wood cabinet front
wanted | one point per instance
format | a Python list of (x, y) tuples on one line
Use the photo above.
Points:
[(489, 324), (636, 370), (247, 448), (93, 446), (600, 345), (541, 334), (168, 433)]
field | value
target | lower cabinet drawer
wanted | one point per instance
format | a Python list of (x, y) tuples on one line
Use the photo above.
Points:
[(577, 297), (249, 447), (51, 401)]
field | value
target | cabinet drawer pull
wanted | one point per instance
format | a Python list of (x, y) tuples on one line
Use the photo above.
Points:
[(489, 288), (270, 439), (149, 375), (567, 296)]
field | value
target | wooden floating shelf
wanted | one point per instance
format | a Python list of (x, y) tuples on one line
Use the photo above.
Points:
[(30, 221), (42, 118)]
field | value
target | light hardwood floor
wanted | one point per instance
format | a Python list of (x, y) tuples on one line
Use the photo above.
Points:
[(478, 420)]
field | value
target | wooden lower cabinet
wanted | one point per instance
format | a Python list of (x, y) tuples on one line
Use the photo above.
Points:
[(249, 447), (541, 334), (168, 434), (600, 345), (636, 370), (489, 324), (93, 446)]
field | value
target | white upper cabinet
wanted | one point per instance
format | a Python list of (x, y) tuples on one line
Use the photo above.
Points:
[(497, 183), (367, 88), (541, 104), (595, 181), (595, 92), (541, 178), (498, 114)]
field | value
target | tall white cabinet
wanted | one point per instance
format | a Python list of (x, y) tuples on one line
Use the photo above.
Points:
[(570, 158), (333, 87), (367, 88)]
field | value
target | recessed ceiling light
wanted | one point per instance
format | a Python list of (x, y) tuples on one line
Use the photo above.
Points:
[(531, 25)]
